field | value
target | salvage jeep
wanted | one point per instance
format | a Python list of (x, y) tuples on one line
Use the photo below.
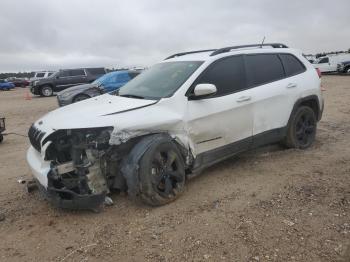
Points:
[(180, 116)]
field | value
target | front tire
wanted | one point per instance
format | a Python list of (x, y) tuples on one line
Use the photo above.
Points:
[(1, 138), (159, 173), (46, 91), (301, 129)]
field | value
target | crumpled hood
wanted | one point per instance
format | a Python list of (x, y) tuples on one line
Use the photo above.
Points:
[(94, 112)]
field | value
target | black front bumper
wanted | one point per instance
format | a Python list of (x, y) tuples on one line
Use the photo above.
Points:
[(35, 90), (68, 199)]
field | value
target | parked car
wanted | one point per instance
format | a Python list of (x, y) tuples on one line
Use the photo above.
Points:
[(41, 75), (180, 116), (5, 85), (64, 79), (344, 67), (328, 64), (21, 82), (106, 83)]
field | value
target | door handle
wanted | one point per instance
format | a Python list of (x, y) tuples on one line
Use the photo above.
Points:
[(291, 85), (244, 98)]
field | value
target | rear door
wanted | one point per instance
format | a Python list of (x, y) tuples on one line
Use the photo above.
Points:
[(223, 121), (274, 93)]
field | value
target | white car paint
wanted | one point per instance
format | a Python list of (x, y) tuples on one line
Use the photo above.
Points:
[(193, 123)]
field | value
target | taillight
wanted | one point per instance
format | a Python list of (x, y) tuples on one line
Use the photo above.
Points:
[(319, 72)]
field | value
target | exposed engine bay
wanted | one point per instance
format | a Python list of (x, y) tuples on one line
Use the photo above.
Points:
[(84, 167)]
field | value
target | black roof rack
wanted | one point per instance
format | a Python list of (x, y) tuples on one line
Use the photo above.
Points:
[(229, 48), (190, 52)]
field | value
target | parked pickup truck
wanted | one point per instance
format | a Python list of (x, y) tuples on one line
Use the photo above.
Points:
[(344, 67), (64, 79), (328, 64)]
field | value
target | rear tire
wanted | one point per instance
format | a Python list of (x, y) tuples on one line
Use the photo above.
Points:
[(46, 91), (80, 97), (301, 129), (1, 138)]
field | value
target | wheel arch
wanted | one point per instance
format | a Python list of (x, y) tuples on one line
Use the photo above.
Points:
[(311, 101), (81, 94), (138, 146)]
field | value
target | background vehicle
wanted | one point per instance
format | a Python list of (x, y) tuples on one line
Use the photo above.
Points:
[(330, 63), (4, 85), (40, 75), (182, 115), (106, 83), (21, 82), (65, 78), (344, 67)]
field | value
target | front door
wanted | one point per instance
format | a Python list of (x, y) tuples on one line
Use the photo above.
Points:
[(222, 123)]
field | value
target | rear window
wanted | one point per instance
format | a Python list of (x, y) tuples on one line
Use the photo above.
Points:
[(96, 71), (263, 69), (292, 65), (50, 74)]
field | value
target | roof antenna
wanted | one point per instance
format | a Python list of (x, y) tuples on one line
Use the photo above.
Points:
[(262, 42)]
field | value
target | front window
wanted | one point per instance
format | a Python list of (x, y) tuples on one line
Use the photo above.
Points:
[(40, 74), (161, 80)]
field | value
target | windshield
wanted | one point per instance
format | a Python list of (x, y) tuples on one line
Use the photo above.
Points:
[(161, 80), (104, 79)]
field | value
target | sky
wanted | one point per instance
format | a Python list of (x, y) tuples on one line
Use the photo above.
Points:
[(56, 34)]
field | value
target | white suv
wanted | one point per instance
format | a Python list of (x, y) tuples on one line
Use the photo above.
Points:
[(182, 115)]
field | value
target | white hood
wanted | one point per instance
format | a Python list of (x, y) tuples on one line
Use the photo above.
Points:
[(89, 113)]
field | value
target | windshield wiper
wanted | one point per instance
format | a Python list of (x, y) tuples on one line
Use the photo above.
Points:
[(132, 96)]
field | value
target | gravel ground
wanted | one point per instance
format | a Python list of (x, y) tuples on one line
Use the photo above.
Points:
[(269, 204)]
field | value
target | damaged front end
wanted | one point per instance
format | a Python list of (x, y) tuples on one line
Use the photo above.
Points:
[(82, 167)]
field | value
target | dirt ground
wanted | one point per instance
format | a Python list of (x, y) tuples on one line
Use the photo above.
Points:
[(270, 204)]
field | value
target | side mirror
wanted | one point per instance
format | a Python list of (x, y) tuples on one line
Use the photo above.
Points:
[(202, 91)]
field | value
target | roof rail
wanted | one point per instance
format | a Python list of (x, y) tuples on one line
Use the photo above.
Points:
[(190, 52), (229, 48)]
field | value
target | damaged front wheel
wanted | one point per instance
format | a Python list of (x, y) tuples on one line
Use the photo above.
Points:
[(160, 177)]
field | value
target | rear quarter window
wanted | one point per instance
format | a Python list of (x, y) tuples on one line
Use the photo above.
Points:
[(292, 65), (263, 69)]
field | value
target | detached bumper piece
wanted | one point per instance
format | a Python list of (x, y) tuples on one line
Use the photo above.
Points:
[(68, 199)]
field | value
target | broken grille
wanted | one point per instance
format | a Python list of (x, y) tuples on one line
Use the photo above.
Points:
[(35, 136)]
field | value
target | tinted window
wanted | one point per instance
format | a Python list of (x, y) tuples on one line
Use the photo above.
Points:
[(64, 73), (77, 72), (324, 60), (49, 74), (228, 75), (96, 71), (264, 68), (40, 74), (133, 74), (292, 65)]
